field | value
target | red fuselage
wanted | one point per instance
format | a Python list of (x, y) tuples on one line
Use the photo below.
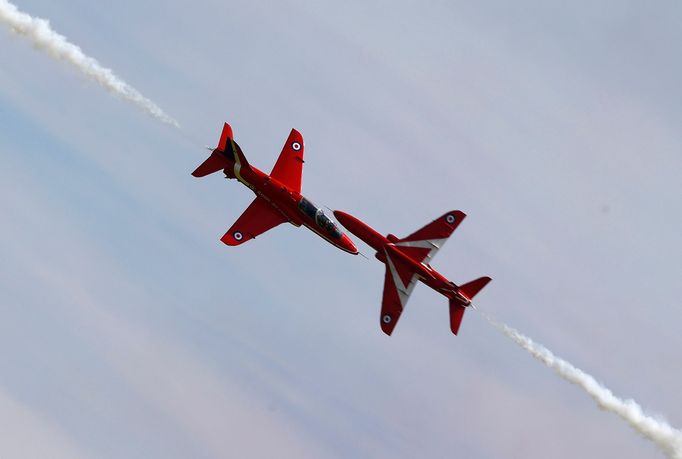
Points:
[(385, 245), (291, 204)]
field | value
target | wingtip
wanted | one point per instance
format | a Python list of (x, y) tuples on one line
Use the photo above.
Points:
[(230, 239), (458, 214), (387, 327), (296, 135)]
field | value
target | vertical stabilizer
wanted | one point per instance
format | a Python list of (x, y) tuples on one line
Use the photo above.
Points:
[(468, 291), (456, 315), (224, 136)]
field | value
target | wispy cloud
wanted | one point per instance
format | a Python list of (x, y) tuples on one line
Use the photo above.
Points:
[(27, 433), (216, 414)]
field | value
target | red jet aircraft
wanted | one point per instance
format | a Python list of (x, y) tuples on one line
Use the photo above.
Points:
[(407, 261), (278, 195)]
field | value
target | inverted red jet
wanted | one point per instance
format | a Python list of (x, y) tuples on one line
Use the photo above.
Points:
[(278, 195), (407, 261)]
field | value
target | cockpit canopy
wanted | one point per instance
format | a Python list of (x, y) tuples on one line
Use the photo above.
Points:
[(321, 220)]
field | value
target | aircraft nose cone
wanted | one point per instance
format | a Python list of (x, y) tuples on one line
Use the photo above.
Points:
[(348, 245), (343, 218)]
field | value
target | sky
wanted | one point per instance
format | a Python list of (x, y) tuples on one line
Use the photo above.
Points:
[(129, 330)]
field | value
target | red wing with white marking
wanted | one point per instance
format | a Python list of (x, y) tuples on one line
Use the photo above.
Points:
[(289, 166), (399, 282), (423, 244), (258, 218)]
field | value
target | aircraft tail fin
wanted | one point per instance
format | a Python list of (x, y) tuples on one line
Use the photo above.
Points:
[(456, 315), (224, 136), (223, 156), (469, 290), (235, 153)]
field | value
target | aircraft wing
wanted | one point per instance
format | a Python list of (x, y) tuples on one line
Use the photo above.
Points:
[(259, 217), (423, 244), (289, 166), (399, 282)]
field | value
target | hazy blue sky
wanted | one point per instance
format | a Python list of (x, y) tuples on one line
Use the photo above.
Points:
[(129, 330)]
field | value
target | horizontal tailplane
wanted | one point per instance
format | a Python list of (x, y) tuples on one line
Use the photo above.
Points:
[(470, 289), (214, 163), (217, 160)]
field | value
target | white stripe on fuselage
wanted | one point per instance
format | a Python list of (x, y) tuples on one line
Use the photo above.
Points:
[(238, 168)]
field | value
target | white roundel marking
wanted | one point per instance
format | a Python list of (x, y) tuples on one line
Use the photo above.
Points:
[(450, 219), (296, 146), (238, 236), (387, 319)]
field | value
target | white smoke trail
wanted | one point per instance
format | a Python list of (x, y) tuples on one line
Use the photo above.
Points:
[(666, 437), (58, 47)]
